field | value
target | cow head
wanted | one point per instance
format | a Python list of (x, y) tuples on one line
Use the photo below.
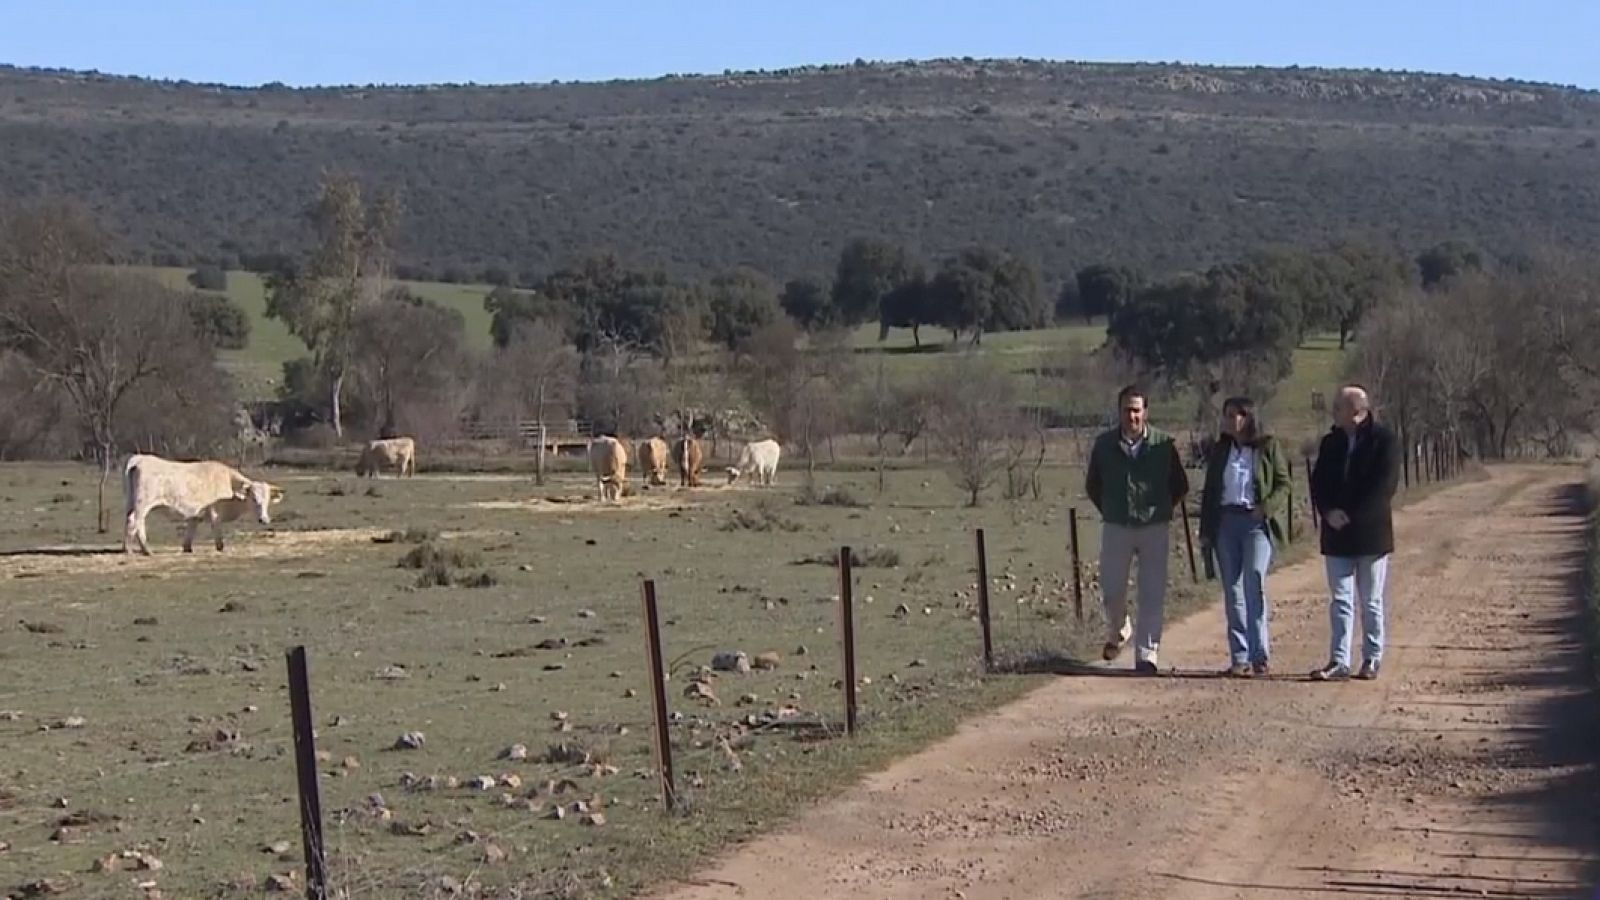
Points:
[(261, 496), (733, 474)]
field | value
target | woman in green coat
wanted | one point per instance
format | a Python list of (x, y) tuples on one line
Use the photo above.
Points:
[(1243, 520)]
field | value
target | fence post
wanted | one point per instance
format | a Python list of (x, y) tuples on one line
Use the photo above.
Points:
[(1316, 518), (983, 603), (658, 694), (1188, 540), (1405, 459), (847, 634), (1077, 567), (1290, 521), (305, 764)]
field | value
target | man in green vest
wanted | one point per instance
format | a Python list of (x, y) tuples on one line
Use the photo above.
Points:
[(1135, 480)]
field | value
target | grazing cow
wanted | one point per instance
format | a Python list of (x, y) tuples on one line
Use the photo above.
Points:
[(760, 457), (608, 457), (190, 491), (398, 453), (653, 460), (686, 456)]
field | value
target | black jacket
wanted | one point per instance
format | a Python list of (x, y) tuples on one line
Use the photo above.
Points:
[(1364, 494)]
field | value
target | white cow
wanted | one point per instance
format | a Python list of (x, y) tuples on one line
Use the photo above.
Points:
[(398, 453), (761, 457), (190, 491), (608, 457)]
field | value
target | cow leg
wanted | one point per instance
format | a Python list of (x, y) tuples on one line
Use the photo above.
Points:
[(190, 526), (133, 532), (216, 529)]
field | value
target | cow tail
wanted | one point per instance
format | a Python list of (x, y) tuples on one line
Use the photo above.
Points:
[(130, 483)]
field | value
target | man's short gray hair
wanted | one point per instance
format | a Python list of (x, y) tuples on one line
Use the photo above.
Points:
[(1356, 396)]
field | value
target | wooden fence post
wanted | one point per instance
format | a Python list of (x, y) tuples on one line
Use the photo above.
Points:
[(305, 764), (847, 635), (1077, 567), (658, 694), (983, 604)]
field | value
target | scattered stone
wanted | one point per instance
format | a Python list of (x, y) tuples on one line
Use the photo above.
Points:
[(391, 673), (767, 661), (554, 667), (482, 783), (595, 819), (494, 854), (350, 763), (918, 663), (146, 621), (559, 716), (10, 715), (499, 688), (512, 781), (281, 884), (801, 650), (61, 803), (43, 887), (585, 613), (699, 690), (278, 848), (556, 812), (411, 740), (404, 829), (339, 722), (901, 611), (629, 694), (731, 661), (515, 752)]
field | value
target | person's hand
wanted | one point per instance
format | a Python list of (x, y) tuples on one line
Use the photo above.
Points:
[(1337, 519), (1258, 515)]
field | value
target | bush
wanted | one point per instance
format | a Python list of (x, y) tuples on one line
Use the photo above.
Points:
[(209, 278), (829, 495), (880, 557), (220, 320), (412, 535), (428, 554), (763, 517)]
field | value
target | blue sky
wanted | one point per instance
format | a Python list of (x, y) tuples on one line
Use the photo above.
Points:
[(299, 42)]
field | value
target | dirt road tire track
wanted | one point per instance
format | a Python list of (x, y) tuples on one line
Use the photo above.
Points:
[(1467, 769)]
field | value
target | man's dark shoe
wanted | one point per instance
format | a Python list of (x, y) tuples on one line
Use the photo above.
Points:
[(1369, 670), (1111, 650), (1260, 668), (1331, 672), (1145, 667), (1239, 670)]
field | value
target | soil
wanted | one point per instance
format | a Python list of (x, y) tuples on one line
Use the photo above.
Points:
[(1467, 769)]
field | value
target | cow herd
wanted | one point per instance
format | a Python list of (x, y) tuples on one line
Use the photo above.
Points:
[(217, 493), (608, 460)]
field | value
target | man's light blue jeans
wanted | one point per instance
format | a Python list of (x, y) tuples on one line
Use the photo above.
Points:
[(1347, 577), (1244, 552)]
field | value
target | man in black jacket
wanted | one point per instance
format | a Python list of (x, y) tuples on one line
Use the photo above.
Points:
[(1352, 486)]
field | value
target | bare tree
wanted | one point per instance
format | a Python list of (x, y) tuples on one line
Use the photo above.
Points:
[(95, 335), (349, 267), (619, 385), (405, 350), (973, 416), (538, 368), (798, 390)]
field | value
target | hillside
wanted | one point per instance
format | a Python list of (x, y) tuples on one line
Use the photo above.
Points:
[(1159, 166)]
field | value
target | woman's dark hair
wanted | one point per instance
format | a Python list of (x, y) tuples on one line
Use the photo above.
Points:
[(1250, 429)]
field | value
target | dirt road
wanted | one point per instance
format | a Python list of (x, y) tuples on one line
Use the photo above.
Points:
[(1468, 769)]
